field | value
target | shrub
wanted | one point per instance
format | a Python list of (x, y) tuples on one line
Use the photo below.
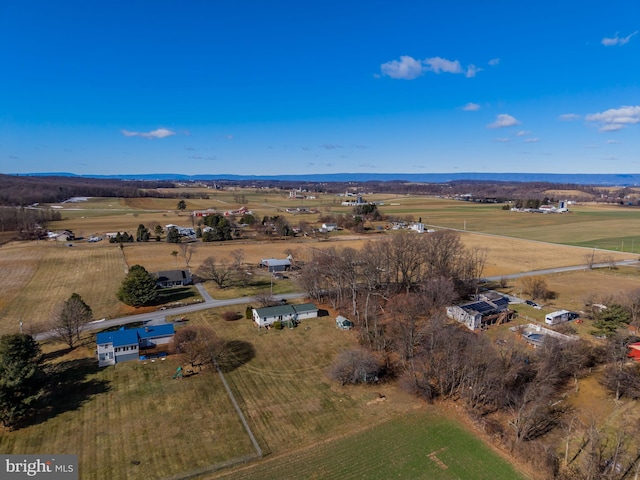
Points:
[(231, 316), (277, 325)]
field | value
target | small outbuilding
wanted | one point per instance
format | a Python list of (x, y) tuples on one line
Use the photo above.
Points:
[(343, 323)]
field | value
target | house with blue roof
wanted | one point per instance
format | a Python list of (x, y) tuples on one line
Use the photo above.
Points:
[(125, 344)]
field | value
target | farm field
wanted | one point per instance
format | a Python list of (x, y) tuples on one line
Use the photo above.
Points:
[(590, 225), (416, 445), (37, 276), (135, 422)]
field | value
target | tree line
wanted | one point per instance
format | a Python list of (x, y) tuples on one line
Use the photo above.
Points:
[(26, 190), (395, 291)]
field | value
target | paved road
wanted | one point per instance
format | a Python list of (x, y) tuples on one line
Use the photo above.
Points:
[(160, 315), (548, 271)]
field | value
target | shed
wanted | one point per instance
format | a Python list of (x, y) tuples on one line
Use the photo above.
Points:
[(343, 323)]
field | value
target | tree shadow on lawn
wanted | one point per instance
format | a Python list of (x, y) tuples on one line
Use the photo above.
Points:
[(68, 386), (236, 354), (176, 294)]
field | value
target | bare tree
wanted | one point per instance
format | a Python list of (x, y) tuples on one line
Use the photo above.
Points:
[(265, 299), (535, 286), (356, 366), (238, 257), (197, 345), (70, 319), (220, 273), (186, 251)]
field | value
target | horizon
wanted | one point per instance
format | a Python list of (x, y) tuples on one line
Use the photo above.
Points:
[(289, 89)]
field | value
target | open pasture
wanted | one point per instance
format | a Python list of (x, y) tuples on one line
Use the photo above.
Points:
[(37, 276), (136, 422), (591, 225)]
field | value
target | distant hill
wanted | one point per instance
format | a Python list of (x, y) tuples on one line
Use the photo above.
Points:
[(562, 178)]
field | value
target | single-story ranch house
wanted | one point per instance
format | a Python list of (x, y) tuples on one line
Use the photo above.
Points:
[(125, 344), (173, 278), (282, 313)]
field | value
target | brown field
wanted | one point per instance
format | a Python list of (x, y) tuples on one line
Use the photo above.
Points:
[(37, 276)]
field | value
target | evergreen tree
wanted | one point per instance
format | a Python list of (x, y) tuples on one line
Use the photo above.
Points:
[(20, 376), (70, 319), (138, 287), (173, 236)]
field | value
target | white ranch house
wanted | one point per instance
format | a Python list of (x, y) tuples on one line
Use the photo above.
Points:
[(282, 313)]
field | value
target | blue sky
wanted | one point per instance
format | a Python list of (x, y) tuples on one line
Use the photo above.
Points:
[(284, 87)]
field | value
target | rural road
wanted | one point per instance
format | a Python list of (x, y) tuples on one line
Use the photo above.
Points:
[(548, 271), (161, 315)]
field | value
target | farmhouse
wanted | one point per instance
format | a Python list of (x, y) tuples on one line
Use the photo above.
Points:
[(490, 308), (418, 227), (173, 278), (329, 227), (275, 264), (284, 313), (125, 344)]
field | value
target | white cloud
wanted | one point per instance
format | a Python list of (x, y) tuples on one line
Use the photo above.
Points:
[(439, 64), (616, 118), (569, 117), (471, 107), (522, 133), (504, 120), (502, 140), (157, 133), (612, 142), (472, 70), (494, 61), (610, 42), (407, 68), (532, 140)]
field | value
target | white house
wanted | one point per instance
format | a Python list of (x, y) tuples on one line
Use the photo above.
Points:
[(282, 313), (124, 345), (329, 227), (418, 227)]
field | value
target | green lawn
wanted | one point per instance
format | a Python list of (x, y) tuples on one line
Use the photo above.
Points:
[(416, 446)]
